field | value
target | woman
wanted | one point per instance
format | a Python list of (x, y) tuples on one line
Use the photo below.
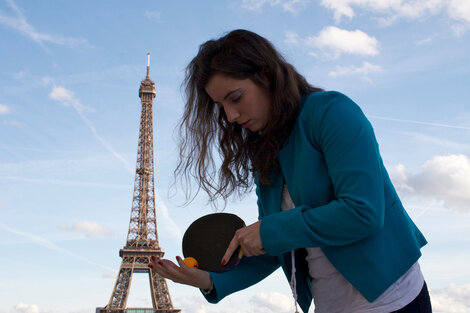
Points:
[(328, 212)]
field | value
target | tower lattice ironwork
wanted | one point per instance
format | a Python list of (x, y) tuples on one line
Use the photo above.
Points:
[(142, 238)]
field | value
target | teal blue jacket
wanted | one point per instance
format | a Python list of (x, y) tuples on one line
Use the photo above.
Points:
[(345, 204)]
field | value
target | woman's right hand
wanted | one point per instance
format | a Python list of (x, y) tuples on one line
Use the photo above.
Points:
[(181, 274)]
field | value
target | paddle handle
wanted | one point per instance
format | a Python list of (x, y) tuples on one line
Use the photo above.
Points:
[(240, 254)]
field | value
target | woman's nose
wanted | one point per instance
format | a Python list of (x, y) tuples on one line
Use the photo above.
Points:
[(231, 113)]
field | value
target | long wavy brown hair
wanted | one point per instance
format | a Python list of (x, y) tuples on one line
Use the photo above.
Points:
[(205, 133)]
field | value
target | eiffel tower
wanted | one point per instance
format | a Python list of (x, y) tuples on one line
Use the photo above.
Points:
[(142, 238)]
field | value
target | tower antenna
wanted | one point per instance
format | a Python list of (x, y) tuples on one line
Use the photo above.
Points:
[(148, 65)]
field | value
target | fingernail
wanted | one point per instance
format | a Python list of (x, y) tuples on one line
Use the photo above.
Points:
[(178, 258), (150, 265), (160, 262), (223, 262)]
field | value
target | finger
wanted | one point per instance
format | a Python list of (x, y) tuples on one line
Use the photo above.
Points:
[(152, 265), (231, 248), (170, 270), (153, 262), (181, 262), (163, 265), (168, 265), (159, 268)]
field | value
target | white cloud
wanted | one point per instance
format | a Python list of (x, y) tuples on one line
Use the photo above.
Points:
[(64, 96), (292, 38), (258, 303), (365, 69), (460, 29), (256, 5), (109, 275), (20, 24), (152, 15), (339, 8), (20, 75), (25, 308), (334, 41), (393, 8), (46, 80), (292, 6), (444, 178), (457, 10), (14, 123), (197, 304), (425, 41), (272, 302), (451, 299), (89, 228), (4, 109)]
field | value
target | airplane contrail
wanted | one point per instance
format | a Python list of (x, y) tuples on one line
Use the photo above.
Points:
[(175, 230), (67, 98), (417, 122), (41, 241), (65, 182), (129, 168)]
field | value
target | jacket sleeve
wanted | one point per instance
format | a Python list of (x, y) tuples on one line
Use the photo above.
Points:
[(337, 128), (248, 272)]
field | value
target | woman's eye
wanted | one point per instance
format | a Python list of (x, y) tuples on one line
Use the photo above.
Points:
[(237, 98)]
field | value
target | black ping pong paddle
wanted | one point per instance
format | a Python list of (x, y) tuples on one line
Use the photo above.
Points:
[(207, 239)]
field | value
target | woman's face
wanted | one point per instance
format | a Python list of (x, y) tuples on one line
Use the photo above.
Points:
[(242, 100)]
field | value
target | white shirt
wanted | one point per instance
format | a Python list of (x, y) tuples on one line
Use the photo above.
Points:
[(334, 294)]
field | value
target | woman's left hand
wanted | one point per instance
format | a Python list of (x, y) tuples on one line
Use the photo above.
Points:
[(249, 240)]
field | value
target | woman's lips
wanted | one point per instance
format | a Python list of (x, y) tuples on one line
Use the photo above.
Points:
[(245, 124)]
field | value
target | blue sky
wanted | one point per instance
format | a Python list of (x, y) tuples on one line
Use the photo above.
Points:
[(69, 117)]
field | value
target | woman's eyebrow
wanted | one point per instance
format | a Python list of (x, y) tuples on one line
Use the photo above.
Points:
[(231, 92)]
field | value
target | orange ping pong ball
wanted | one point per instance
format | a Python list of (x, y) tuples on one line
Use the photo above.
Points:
[(191, 262)]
